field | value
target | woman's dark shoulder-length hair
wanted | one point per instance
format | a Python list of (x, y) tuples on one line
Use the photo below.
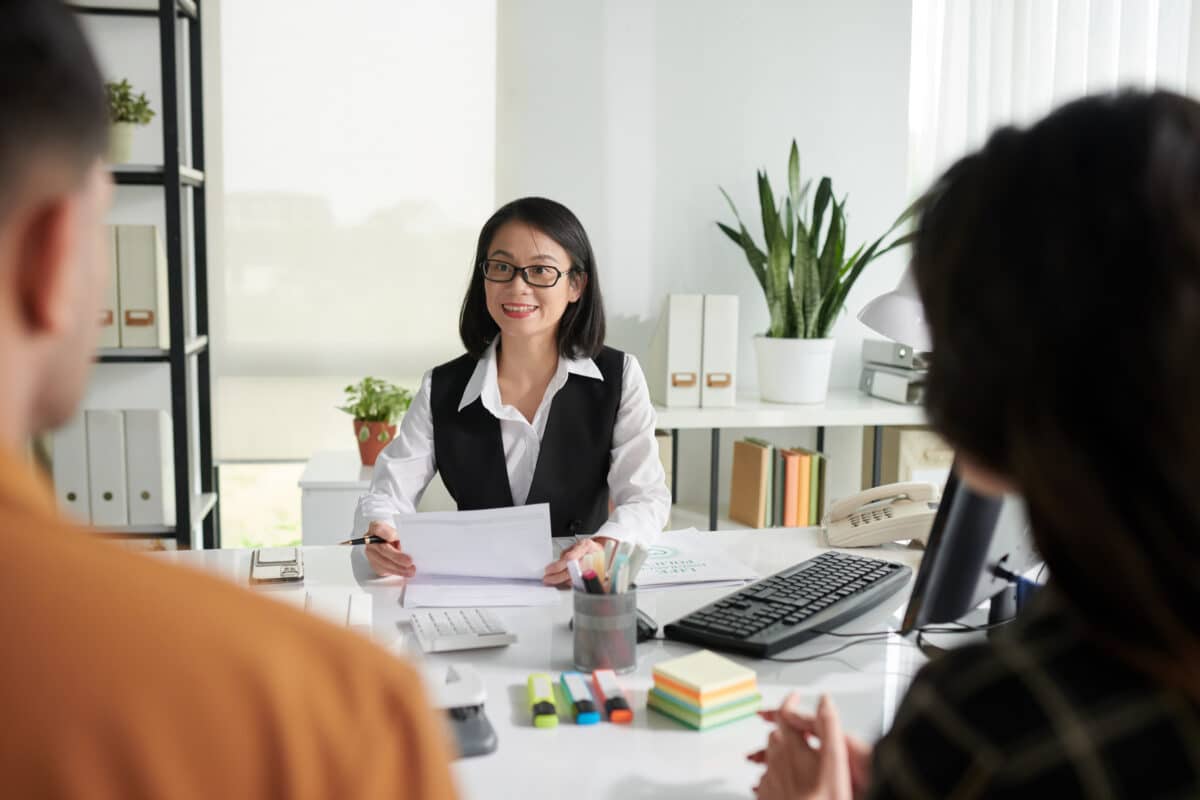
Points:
[(1059, 268), (581, 330)]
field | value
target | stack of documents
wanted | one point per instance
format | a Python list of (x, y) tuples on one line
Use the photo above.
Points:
[(688, 559), (704, 690), (494, 557)]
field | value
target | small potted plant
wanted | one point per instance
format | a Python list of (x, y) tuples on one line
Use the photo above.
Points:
[(376, 405), (805, 273), (124, 112)]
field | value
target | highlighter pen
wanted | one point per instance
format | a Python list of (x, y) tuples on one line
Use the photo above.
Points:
[(592, 583), (620, 568), (576, 576), (611, 696), (541, 701), (576, 690), (610, 549), (599, 566), (640, 552)]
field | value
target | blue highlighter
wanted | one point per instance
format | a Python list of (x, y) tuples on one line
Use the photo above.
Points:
[(575, 687)]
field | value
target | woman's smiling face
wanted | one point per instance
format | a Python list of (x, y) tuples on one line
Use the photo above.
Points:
[(519, 309)]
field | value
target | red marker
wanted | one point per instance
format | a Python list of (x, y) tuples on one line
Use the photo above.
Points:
[(592, 582)]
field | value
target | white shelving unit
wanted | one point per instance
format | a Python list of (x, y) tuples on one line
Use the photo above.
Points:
[(842, 408), (157, 45)]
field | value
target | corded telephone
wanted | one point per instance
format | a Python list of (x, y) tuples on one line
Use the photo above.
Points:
[(882, 514)]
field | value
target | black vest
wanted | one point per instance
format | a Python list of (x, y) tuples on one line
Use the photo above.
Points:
[(572, 467)]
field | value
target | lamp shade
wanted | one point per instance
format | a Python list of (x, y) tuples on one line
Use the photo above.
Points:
[(899, 315)]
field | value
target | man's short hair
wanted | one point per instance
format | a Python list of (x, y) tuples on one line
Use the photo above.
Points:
[(51, 94)]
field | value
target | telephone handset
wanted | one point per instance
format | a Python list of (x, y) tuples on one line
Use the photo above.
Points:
[(882, 514)]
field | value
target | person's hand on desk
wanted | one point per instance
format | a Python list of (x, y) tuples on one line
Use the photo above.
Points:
[(838, 768), (388, 559), (556, 572)]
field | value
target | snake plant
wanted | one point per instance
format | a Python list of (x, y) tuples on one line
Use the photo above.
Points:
[(804, 270)]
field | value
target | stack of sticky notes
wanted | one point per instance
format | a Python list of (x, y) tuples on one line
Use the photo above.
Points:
[(704, 690)]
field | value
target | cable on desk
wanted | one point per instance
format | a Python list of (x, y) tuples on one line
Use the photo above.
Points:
[(855, 634), (827, 653)]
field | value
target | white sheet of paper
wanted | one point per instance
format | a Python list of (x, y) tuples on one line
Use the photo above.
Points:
[(451, 592), (493, 543), (687, 558)]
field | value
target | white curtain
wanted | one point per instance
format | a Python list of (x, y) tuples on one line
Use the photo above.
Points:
[(981, 64)]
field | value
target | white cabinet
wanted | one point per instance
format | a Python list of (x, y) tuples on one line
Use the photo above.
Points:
[(330, 486)]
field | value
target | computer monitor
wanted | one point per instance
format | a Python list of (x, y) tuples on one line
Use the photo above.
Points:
[(972, 534)]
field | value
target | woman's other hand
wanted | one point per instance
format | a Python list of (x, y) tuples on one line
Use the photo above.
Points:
[(556, 572), (388, 559), (834, 767)]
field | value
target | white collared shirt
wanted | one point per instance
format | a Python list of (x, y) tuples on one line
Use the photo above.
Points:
[(636, 479)]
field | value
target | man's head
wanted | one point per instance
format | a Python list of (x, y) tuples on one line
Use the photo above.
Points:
[(54, 192), (1060, 272)]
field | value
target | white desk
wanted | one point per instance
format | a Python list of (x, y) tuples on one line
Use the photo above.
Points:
[(653, 757)]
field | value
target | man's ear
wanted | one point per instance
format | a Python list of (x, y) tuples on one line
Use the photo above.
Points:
[(46, 279)]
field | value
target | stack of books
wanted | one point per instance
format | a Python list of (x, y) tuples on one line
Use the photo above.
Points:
[(704, 690), (776, 487), (894, 371)]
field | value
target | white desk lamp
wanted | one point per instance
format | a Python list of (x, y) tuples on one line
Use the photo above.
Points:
[(899, 315)]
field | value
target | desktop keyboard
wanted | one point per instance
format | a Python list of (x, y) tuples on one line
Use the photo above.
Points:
[(793, 605)]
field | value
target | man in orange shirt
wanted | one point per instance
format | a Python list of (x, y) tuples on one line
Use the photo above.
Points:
[(120, 677)]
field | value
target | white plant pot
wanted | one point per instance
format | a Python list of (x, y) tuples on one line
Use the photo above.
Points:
[(120, 142), (793, 370)]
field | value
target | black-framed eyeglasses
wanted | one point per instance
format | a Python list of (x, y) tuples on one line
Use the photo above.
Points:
[(539, 275)]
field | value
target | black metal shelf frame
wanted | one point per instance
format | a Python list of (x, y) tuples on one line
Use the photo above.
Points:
[(183, 8), (173, 176)]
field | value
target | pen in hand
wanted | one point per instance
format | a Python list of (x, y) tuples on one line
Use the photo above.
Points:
[(366, 540)]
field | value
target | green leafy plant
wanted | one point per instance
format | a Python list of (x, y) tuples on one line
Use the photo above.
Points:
[(804, 271), (123, 106), (376, 400)]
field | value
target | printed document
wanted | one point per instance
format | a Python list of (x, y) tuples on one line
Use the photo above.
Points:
[(687, 558), (452, 592), (493, 543)]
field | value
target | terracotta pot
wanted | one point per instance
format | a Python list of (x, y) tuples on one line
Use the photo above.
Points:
[(372, 438)]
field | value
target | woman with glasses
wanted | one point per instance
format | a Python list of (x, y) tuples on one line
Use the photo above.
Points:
[(537, 410)]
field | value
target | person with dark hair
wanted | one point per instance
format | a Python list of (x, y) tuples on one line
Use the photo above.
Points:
[(537, 410), (1059, 268), (122, 677)]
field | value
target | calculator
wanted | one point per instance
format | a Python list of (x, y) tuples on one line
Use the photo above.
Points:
[(459, 629)]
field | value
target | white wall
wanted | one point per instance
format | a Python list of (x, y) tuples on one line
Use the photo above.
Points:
[(633, 114)]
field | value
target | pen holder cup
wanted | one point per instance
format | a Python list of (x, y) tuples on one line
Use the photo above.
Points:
[(606, 631)]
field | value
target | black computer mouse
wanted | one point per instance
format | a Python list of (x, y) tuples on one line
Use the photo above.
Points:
[(647, 628)]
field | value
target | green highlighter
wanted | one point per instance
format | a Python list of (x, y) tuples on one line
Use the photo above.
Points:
[(541, 701)]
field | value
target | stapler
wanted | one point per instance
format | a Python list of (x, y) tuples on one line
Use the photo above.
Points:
[(459, 690)]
